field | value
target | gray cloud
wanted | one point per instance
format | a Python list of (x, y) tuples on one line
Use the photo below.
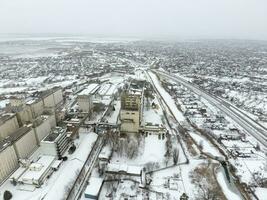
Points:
[(236, 19)]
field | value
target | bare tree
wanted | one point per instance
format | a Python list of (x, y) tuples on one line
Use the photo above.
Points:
[(207, 187), (168, 146)]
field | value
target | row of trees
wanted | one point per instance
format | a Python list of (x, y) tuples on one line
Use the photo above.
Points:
[(171, 152), (126, 146)]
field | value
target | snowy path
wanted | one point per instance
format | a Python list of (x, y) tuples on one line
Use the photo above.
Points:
[(167, 98), (229, 191)]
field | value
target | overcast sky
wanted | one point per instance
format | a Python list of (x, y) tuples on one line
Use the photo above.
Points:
[(234, 19)]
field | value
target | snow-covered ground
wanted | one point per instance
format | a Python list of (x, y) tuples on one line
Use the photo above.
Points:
[(206, 145), (169, 100), (145, 155), (228, 189)]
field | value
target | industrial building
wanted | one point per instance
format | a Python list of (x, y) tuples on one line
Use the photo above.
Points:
[(9, 160), (8, 124), (85, 98), (24, 141), (56, 143), (41, 101), (51, 98), (23, 111), (23, 130), (37, 107), (131, 110), (37, 171), (42, 127), (18, 145)]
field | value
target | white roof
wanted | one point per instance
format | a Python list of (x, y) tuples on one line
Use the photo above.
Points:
[(94, 186), (111, 90), (90, 89), (56, 164), (36, 170), (104, 89), (130, 169)]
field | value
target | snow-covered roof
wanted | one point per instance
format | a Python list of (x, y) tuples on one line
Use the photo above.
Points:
[(37, 170), (129, 169), (94, 186), (90, 89)]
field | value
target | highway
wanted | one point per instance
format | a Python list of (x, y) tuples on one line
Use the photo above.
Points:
[(249, 126)]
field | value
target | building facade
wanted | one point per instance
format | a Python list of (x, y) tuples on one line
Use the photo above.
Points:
[(56, 143), (8, 159), (24, 142), (42, 127), (130, 112), (85, 103)]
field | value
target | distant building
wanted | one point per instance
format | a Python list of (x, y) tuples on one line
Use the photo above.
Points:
[(56, 143), (41, 101), (131, 109)]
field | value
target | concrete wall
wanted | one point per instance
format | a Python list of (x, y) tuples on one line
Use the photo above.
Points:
[(129, 121), (85, 103), (48, 148), (26, 144), (49, 101), (42, 130), (52, 120), (25, 115), (58, 96), (8, 126), (9, 162), (37, 108)]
